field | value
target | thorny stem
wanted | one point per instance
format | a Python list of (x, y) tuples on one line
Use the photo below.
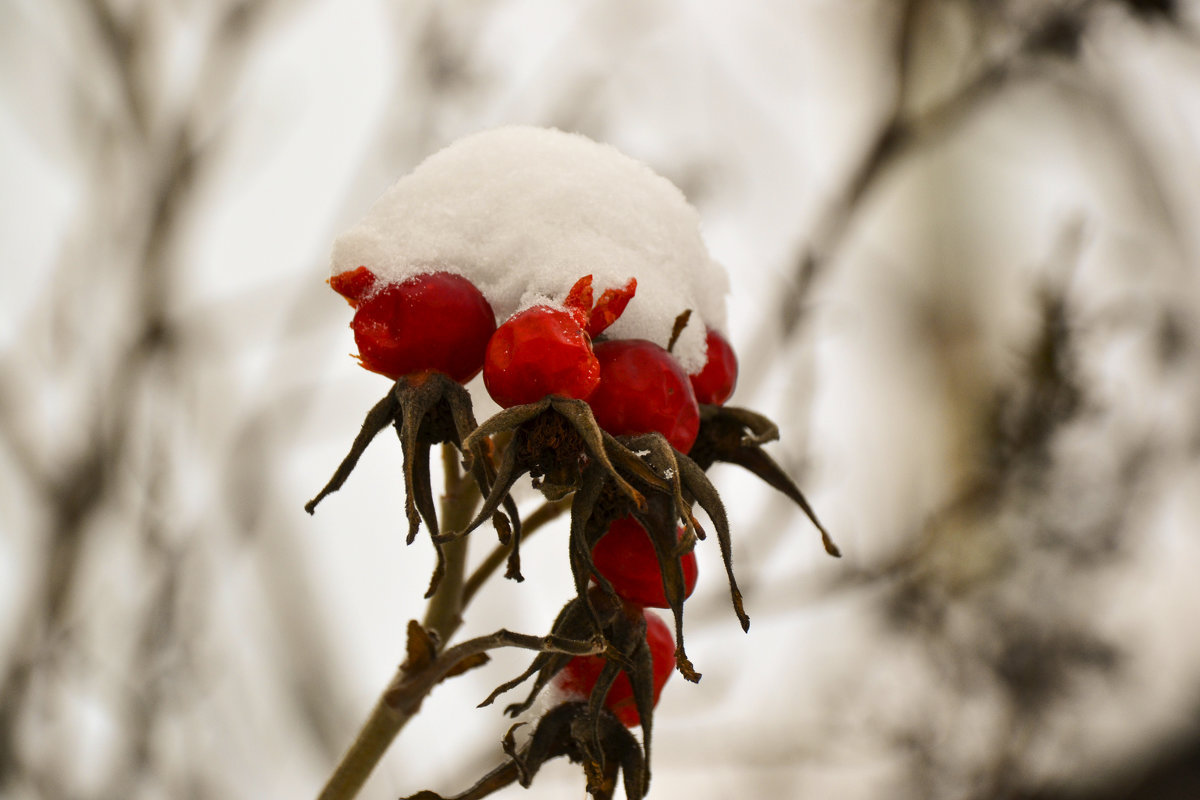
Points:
[(443, 616)]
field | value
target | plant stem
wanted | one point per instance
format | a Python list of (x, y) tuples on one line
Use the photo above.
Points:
[(442, 616)]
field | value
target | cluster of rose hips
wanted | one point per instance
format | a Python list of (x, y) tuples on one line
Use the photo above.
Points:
[(612, 422), (632, 385)]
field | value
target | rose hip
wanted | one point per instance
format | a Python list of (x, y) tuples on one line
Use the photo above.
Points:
[(644, 390), (544, 350), (625, 557), (715, 382), (438, 321), (537, 352), (581, 673)]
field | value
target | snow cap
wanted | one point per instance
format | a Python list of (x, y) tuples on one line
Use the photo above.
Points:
[(525, 212)]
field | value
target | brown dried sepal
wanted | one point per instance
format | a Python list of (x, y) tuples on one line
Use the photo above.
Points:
[(672, 483), (623, 628), (425, 408), (553, 440), (736, 436), (567, 730)]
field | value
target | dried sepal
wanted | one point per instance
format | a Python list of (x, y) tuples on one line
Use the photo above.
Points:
[(663, 462), (736, 436), (628, 652), (425, 409), (576, 620), (561, 732), (658, 517), (659, 523), (671, 483), (623, 629), (697, 485), (600, 743), (584, 533), (502, 776), (379, 417), (685, 483), (553, 440)]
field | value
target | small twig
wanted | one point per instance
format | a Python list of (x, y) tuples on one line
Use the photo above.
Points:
[(443, 616), (408, 690)]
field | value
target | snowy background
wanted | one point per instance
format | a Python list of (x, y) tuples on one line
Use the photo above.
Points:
[(963, 248)]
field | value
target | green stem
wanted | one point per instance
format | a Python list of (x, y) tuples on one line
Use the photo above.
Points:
[(443, 616)]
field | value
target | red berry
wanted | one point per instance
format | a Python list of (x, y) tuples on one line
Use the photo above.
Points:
[(437, 321), (537, 352), (714, 383), (580, 674), (625, 556), (643, 390), (545, 350)]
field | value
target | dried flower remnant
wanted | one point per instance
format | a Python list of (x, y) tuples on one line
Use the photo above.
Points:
[(425, 408), (736, 436), (565, 731)]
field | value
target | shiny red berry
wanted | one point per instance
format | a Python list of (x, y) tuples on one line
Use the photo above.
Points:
[(545, 350), (437, 321), (537, 352), (644, 390), (625, 557), (715, 382), (580, 674)]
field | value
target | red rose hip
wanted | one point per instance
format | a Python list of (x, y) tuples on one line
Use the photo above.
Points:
[(625, 557), (581, 673), (715, 382), (537, 352), (644, 390), (437, 321), (544, 350)]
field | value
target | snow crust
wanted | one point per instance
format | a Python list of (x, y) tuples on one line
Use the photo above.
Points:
[(525, 212)]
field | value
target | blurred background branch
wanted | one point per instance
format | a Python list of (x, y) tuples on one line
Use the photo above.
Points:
[(964, 260)]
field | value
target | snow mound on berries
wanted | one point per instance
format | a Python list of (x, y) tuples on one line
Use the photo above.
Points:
[(525, 212)]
